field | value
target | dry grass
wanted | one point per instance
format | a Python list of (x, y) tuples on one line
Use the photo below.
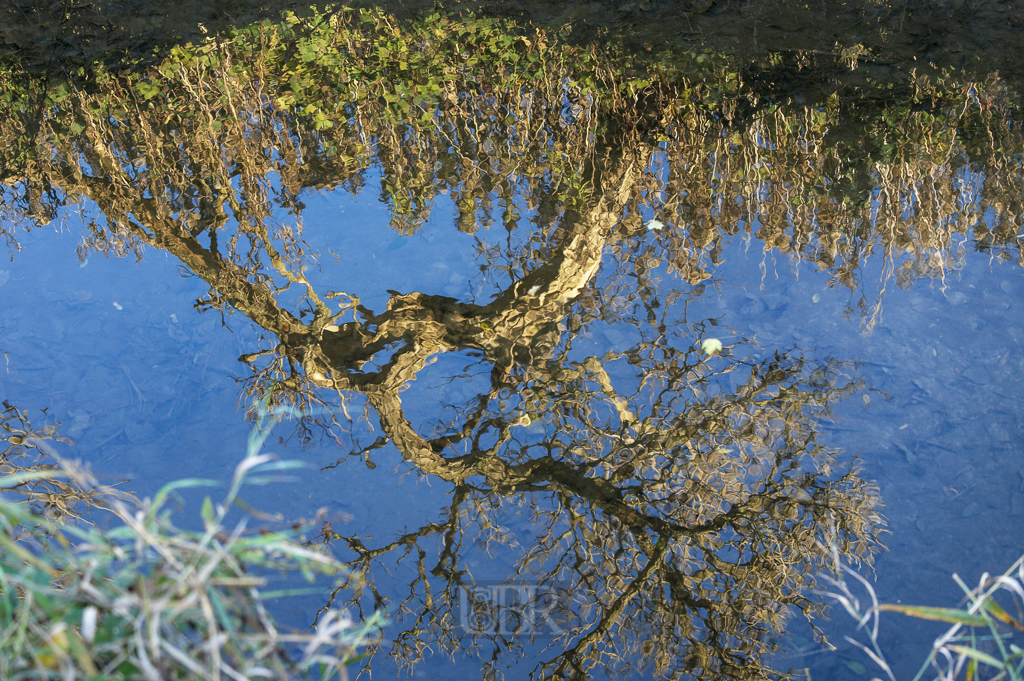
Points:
[(982, 642)]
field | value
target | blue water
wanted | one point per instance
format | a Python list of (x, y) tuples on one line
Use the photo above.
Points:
[(147, 387)]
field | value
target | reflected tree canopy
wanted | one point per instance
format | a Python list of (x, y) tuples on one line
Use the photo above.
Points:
[(506, 122), (679, 500)]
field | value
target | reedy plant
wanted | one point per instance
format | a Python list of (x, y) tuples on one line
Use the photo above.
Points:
[(149, 600), (979, 644)]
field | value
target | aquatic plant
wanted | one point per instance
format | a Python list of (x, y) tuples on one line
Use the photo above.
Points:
[(982, 642), (142, 598)]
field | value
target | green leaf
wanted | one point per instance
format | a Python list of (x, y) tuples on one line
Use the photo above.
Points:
[(856, 667), (208, 513), (984, 658), (171, 486), (996, 611), (950, 615)]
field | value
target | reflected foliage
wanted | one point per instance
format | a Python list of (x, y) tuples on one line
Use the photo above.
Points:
[(679, 500), (682, 520), (503, 119)]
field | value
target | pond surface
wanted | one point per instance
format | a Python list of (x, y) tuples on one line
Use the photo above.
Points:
[(503, 336)]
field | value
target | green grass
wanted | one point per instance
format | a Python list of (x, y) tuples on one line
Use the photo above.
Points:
[(983, 640), (145, 599)]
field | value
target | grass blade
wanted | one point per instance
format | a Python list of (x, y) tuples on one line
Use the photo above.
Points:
[(950, 615)]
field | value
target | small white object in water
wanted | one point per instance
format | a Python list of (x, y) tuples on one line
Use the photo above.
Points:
[(711, 346), (816, 298), (118, 305), (332, 328), (533, 290), (655, 225)]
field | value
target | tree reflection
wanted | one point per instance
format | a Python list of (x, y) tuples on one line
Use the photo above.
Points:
[(681, 520), (677, 501), (905, 173)]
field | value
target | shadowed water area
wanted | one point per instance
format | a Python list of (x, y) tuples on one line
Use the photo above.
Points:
[(605, 324)]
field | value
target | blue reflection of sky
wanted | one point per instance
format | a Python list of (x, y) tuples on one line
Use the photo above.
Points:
[(945, 449), (115, 352)]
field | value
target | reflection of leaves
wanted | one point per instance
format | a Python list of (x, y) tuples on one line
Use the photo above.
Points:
[(670, 532), (460, 106), (680, 497)]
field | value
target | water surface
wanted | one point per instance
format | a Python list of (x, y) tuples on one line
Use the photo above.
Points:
[(495, 314)]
